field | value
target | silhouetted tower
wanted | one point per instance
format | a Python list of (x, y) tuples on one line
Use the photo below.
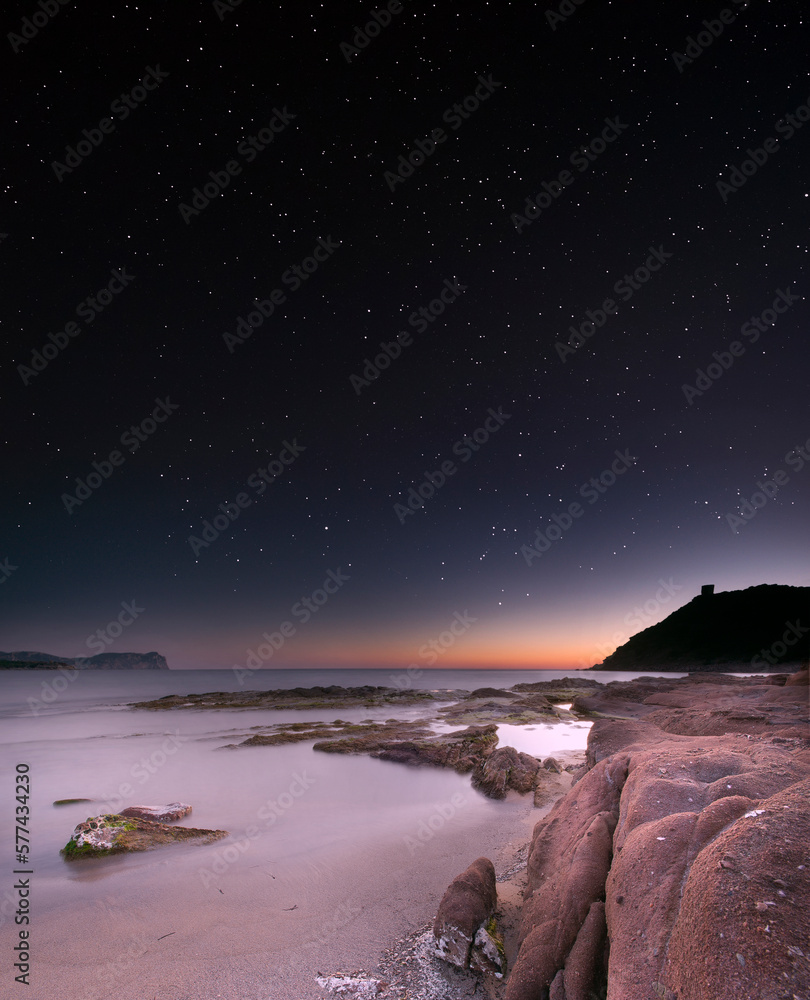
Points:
[(707, 590)]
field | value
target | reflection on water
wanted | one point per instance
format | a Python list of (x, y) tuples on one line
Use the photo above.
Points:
[(281, 803), (318, 842)]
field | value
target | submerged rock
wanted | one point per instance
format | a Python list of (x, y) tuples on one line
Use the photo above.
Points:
[(160, 814), (464, 931), (113, 833)]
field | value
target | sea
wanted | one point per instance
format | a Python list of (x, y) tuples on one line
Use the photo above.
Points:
[(291, 813)]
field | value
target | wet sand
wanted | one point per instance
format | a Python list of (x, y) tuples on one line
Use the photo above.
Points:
[(156, 929)]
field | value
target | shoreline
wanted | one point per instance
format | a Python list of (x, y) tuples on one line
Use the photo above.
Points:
[(407, 969), (278, 924), (344, 913)]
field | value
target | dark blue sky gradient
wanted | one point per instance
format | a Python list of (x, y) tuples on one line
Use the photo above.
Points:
[(696, 458)]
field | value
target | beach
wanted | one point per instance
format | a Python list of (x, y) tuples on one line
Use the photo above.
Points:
[(332, 820), (330, 860)]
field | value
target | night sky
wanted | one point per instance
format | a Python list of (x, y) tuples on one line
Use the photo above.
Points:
[(553, 220)]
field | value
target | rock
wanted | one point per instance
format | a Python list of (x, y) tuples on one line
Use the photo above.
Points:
[(696, 842), (552, 764), (464, 930), (586, 963), (160, 814), (490, 693), (548, 787), (294, 698), (338, 736), (604, 707), (568, 864), (498, 706), (462, 750), (69, 802), (113, 833), (535, 703), (720, 922), (503, 769), (562, 690)]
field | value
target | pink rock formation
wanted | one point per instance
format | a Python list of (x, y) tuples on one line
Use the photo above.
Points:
[(685, 843)]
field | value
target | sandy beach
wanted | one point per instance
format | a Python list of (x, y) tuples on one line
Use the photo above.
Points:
[(258, 935)]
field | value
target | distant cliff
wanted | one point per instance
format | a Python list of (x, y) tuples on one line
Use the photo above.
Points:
[(102, 661), (760, 628)]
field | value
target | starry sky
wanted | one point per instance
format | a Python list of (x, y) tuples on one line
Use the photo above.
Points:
[(454, 335)]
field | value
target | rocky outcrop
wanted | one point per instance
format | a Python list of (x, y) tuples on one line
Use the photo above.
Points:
[(464, 931), (334, 736), (743, 918), (461, 750), (568, 865), (159, 814), (332, 696), (495, 770), (562, 690), (759, 628), (676, 866), (101, 836), (503, 769)]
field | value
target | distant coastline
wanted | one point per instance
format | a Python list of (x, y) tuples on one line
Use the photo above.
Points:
[(26, 660)]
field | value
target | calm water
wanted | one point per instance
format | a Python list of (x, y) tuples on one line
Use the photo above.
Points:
[(291, 812), (82, 741)]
